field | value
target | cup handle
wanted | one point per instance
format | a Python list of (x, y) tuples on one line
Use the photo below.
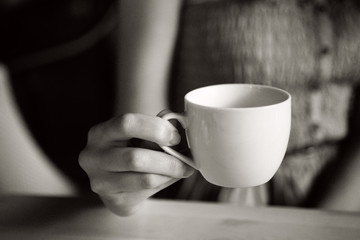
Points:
[(167, 115)]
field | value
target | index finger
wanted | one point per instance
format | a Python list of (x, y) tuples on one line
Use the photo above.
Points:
[(132, 125)]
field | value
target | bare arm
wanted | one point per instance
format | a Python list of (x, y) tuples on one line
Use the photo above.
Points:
[(147, 37), (122, 173)]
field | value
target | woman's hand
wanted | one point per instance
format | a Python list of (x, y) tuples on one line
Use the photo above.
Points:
[(124, 175)]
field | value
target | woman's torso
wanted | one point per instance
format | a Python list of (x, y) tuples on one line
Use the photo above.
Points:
[(309, 48)]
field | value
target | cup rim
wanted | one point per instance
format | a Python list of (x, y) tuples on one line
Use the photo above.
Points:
[(248, 85)]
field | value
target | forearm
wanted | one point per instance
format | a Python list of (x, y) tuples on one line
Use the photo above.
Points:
[(147, 36)]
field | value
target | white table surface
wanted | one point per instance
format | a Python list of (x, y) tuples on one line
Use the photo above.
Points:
[(72, 218)]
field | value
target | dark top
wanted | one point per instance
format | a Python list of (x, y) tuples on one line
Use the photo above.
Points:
[(62, 71)]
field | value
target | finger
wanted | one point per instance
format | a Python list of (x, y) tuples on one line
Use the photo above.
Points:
[(141, 126), (127, 203), (144, 161), (111, 183)]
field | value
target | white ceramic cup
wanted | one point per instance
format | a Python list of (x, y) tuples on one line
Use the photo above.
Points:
[(237, 133)]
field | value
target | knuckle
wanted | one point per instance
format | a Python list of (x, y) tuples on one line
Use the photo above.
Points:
[(90, 158), (93, 132), (125, 122), (134, 159), (98, 186), (84, 159), (148, 181)]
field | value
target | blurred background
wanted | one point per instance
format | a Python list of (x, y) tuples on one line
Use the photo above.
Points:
[(57, 80)]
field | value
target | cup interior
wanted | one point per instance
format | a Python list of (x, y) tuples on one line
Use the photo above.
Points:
[(237, 96)]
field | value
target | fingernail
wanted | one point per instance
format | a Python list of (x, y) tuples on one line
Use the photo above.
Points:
[(175, 138)]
